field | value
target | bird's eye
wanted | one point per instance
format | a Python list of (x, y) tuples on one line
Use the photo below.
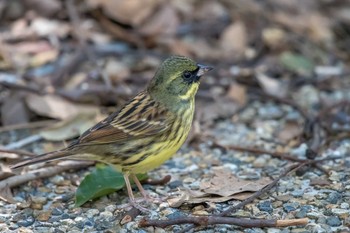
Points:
[(187, 75)]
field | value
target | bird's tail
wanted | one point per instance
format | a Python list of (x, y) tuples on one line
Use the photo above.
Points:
[(42, 158)]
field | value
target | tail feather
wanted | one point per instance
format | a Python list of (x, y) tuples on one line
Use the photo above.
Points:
[(42, 158)]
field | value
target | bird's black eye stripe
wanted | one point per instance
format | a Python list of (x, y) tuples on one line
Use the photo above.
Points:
[(190, 76), (187, 75)]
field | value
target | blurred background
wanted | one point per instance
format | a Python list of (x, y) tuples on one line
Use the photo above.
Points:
[(279, 93), (63, 59)]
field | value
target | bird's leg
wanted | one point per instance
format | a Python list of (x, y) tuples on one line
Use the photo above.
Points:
[(139, 186), (144, 193), (131, 195), (128, 187)]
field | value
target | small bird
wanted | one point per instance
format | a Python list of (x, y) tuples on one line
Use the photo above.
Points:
[(146, 131)]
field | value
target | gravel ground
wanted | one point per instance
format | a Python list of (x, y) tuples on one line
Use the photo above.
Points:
[(314, 195)]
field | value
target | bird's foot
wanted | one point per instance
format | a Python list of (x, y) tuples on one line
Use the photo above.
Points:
[(136, 205), (154, 200)]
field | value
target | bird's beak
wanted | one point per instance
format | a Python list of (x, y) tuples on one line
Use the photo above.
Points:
[(203, 69)]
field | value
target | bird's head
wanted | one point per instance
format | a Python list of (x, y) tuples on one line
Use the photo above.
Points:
[(177, 77)]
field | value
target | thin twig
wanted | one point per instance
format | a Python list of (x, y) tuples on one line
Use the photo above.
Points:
[(211, 220), (260, 151), (29, 125), (130, 215), (41, 173), (162, 181), (24, 141), (18, 152)]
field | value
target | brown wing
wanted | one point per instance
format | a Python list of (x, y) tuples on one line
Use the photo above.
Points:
[(141, 117)]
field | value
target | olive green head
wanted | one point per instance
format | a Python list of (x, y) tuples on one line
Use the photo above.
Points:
[(177, 77)]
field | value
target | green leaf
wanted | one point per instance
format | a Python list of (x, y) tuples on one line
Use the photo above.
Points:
[(101, 181), (297, 63)]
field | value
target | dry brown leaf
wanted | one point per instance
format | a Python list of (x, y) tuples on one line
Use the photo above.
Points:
[(189, 197), (271, 86), (69, 128), (209, 10), (43, 58), (164, 22), (50, 27), (233, 40), (274, 37), (132, 12), (14, 111), (5, 171), (319, 182), (32, 47), (57, 107), (238, 93), (6, 195), (291, 130), (45, 8), (312, 23), (117, 71), (225, 184), (213, 110)]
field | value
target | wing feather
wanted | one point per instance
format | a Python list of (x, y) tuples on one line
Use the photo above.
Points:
[(141, 117)]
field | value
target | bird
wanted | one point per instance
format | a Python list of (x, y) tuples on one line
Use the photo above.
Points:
[(146, 131)]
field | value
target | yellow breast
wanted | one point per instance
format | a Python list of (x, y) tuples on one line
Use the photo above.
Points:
[(161, 151)]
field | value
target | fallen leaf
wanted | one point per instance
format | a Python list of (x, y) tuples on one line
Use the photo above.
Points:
[(5, 171), (209, 10), (49, 27), (14, 111), (45, 8), (187, 197), (131, 12), (272, 86), (43, 58), (101, 181), (32, 47), (213, 110), (69, 128), (319, 182), (238, 93), (233, 40), (274, 37), (297, 63), (117, 71), (57, 107), (225, 184), (291, 130), (6, 195), (164, 22)]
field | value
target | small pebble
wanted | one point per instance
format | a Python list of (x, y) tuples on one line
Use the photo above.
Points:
[(189, 180), (342, 213), (26, 222), (43, 216), (334, 197), (174, 184), (265, 206), (39, 200), (110, 208), (344, 205), (288, 207), (333, 221), (57, 179), (92, 212), (57, 211), (249, 175)]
